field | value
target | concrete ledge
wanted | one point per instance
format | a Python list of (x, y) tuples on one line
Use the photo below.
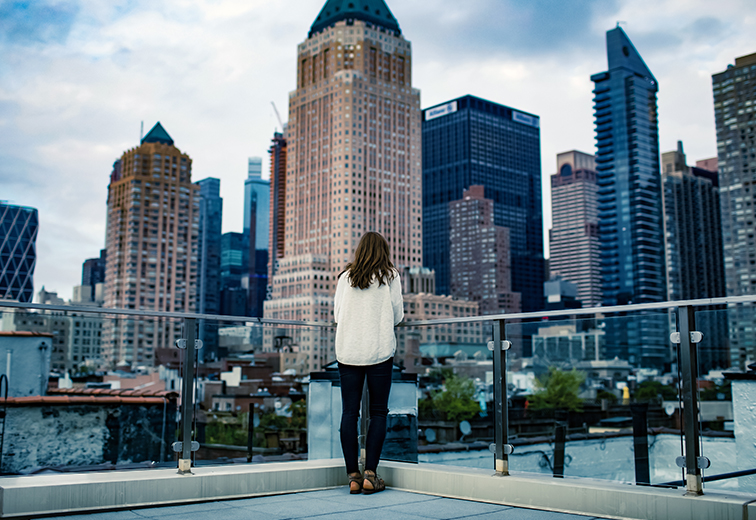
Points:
[(578, 496), (45, 495), (82, 492)]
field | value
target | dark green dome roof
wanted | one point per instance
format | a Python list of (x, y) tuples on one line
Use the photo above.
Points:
[(372, 11)]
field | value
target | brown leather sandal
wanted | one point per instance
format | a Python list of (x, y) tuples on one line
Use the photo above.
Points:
[(376, 483), (355, 478)]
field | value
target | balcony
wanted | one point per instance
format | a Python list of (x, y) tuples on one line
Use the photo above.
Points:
[(615, 454)]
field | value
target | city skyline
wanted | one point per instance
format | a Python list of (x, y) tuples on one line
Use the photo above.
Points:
[(76, 85)]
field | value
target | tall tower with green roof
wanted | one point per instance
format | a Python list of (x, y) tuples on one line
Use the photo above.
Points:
[(151, 247), (353, 161)]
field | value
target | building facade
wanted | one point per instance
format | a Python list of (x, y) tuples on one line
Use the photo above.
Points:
[(208, 269), (480, 257), (233, 274), (692, 229), (151, 243), (629, 200), (18, 251), (693, 249), (277, 220), (256, 231), (352, 161), (574, 239), (93, 270), (471, 141), (734, 98), (627, 163)]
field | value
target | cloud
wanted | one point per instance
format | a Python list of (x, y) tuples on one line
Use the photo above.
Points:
[(36, 21), (78, 77), (511, 29)]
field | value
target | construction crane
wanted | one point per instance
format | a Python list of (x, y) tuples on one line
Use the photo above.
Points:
[(278, 116)]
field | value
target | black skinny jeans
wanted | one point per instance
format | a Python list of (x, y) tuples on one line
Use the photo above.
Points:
[(379, 385)]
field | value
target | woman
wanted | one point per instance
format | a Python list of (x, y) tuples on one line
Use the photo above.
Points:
[(367, 306)]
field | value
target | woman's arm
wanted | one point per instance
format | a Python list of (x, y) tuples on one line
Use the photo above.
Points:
[(338, 297), (397, 302)]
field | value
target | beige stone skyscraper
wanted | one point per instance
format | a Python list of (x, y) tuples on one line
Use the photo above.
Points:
[(574, 238), (353, 160), (153, 220)]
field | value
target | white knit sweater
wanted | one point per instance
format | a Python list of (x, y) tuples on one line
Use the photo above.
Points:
[(365, 320)]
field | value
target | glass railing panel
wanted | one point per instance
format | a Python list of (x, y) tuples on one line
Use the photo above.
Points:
[(726, 392), (79, 399), (252, 391), (582, 380), (455, 391)]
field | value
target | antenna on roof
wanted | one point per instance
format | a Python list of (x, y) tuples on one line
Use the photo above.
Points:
[(620, 22), (277, 116), (141, 132)]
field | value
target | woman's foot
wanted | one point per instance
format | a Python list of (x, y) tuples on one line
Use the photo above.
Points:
[(372, 483), (355, 483)]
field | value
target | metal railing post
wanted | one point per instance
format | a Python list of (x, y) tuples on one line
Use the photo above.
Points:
[(502, 449), (187, 396), (689, 369), (639, 412)]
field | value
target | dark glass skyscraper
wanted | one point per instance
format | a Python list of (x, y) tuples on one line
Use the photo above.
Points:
[(631, 239), (93, 270), (209, 253), (233, 274), (470, 141), (18, 251), (627, 162)]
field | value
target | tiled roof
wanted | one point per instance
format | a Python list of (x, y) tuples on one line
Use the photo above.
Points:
[(102, 392), (25, 333), (81, 399)]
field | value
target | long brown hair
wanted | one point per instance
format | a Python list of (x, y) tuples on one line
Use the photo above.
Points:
[(371, 259)]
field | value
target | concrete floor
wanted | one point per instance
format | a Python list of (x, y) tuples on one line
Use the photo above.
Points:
[(335, 504)]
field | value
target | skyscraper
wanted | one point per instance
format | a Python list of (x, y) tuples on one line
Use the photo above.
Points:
[(353, 159), (256, 230), (629, 199), (18, 251), (277, 232), (209, 253), (471, 141), (734, 97), (693, 249), (480, 258), (692, 229), (574, 238), (93, 270), (627, 162), (151, 244), (233, 274)]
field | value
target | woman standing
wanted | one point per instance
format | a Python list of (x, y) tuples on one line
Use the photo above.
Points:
[(367, 306)]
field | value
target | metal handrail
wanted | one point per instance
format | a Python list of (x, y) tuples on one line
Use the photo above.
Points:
[(712, 478), (729, 300)]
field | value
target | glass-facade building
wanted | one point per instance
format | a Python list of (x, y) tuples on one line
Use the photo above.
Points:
[(256, 233), (208, 272), (470, 141), (18, 251), (631, 241), (233, 274)]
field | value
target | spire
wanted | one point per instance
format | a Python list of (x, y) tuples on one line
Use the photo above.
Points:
[(372, 11), (157, 135), (622, 54)]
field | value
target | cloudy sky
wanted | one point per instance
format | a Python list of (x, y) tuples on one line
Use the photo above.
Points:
[(77, 77)]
